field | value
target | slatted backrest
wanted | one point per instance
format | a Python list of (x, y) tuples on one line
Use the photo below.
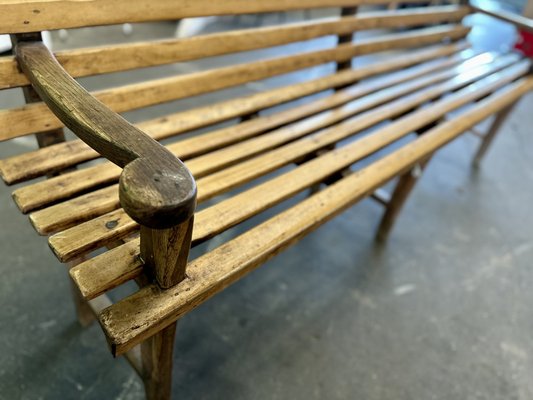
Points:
[(19, 16), (428, 25)]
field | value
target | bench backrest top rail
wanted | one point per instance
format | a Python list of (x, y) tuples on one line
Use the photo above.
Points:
[(121, 57), (21, 16)]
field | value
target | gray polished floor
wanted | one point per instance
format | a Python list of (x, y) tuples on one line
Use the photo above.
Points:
[(442, 311)]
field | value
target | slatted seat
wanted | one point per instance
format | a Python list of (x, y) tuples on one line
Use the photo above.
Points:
[(342, 135)]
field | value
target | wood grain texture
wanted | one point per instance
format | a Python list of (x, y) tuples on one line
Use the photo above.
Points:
[(156, 189), (157, 357), (37, 117), (36, 195), (69, 213), (37, 163), (146, 312), (166, 251), (113, 58), (17, 16), (93, 234)]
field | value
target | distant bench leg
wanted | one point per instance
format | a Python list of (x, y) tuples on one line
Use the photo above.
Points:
[(83, 310), (501, 117), (157, 353), (403, 188), (401, 192)]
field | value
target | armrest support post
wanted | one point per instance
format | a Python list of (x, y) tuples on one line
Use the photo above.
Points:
[(166, 251)]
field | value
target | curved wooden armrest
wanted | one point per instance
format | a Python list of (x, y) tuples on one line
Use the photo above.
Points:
[(517, 20), (156, 189)]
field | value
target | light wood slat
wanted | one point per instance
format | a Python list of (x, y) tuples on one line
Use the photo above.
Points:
[(53, 158), (216, 160), (121, 57), (93, 234), (142, 314), (18, 16), (36, 117), (69, 213), (107, 271), (67, 185), (113, 268)]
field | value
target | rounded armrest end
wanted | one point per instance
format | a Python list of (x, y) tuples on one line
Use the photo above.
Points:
[(159, 194)]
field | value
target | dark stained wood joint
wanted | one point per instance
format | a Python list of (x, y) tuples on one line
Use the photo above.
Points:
[(348, 38)]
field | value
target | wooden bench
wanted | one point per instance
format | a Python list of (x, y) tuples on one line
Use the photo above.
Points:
[(343, 134)]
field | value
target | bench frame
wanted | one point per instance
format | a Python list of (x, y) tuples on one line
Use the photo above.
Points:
[(165, 205)]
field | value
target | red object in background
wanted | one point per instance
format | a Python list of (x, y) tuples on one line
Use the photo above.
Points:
[(524, 44)]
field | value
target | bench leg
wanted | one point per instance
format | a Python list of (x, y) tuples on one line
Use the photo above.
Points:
[(84, 311), (491, 134), (157, 353), (401, 192)]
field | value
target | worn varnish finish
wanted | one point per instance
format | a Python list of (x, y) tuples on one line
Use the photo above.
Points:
[(93, 234), (168, 194), (39, 162), (155, 188), (150, 309), (114, 58), (166, 251), (37, 117), (37, 15), (66, 214), (157, 352)]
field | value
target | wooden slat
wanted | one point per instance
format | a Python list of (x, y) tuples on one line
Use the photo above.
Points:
[(144, 313), (156, 189), (69, 213), (93, 234), (216, 160), (113, 268), (67, 185), (36, 117), (54, 158), (18, 16), (122, 57)]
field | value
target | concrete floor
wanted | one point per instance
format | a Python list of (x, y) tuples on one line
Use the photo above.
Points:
[(443, 311)]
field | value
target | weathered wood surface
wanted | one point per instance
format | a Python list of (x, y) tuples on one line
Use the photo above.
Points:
[(37, 117), (212, 221), (157, 357), (144, 313), (37, 163), (17, 16), (166, 252), (39, 194), (69, 213), (156, 189), (113, 58)]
